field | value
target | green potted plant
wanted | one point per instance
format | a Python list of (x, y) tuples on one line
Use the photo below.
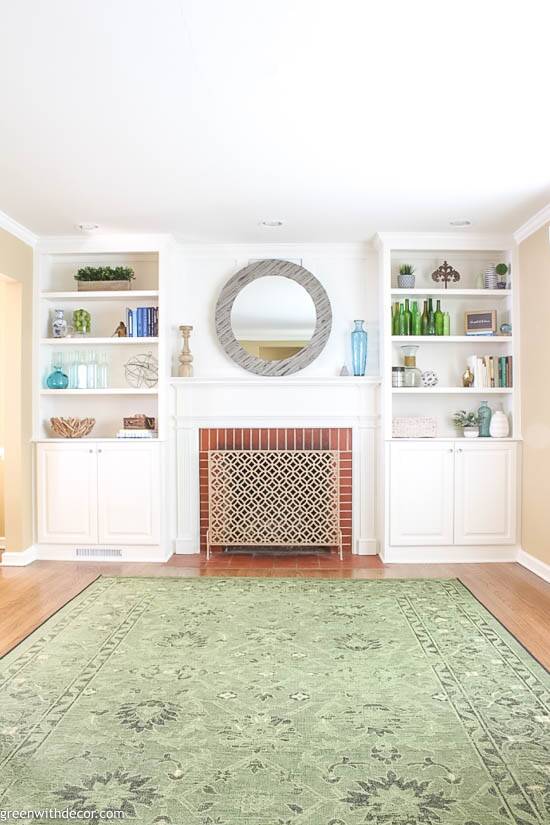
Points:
[(405, 279), (468, 422), (502, 271), (95, 278)]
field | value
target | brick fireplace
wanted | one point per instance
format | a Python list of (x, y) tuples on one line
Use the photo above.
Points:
[(338, 440)]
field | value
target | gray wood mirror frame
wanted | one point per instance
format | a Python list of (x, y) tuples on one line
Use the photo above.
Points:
[(308, 352)]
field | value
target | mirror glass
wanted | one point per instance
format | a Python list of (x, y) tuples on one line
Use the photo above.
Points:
[(273, 318)]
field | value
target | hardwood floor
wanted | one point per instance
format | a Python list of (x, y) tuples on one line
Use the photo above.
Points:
[(518, 598)]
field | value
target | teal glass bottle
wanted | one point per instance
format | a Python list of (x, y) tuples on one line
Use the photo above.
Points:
[(359, 348), (484, 412), (438, 319), (57, 380)]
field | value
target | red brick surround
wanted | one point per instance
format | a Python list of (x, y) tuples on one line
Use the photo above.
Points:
[(299, 438)]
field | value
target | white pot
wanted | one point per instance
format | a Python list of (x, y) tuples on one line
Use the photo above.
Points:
[(499, 427), (471, 432)]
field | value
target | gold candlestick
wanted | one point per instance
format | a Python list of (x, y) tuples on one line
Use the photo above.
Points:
[(186, 359)]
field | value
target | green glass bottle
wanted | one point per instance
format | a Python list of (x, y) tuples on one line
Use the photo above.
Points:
[(395, 318), (401, 320), (424, 320), (446, 323), (438, 319), (408, 318), (431, 318), (415, 314)]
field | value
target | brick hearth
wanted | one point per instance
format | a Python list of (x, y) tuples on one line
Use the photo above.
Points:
[(299, 438)]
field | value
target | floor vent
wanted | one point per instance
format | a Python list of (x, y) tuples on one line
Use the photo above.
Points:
[(98, 553)]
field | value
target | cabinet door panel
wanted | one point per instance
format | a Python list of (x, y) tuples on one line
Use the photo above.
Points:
[(421, 493), (67, 493), (129, 494), (485, 483)]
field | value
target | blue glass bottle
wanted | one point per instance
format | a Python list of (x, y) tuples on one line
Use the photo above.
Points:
[(484, 412), (57, 380), (359, 348)]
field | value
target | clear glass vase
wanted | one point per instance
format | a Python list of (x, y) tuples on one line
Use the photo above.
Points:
[(359, 340)]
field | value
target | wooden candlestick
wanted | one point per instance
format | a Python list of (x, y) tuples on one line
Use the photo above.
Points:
[(186, 359)]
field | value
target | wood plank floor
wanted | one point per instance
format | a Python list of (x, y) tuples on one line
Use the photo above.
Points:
[(518, 598)]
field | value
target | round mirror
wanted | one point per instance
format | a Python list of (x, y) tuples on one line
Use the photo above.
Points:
[(273, 318)]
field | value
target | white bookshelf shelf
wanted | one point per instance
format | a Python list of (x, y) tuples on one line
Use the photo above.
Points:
[(473, 340), (453, 293), (110, 391), (76, 343), (452, 390), (104, 295)]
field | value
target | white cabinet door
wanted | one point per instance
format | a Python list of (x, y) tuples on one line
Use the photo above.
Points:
[(67, 493), (421, 493), (129, 493), (485, 493)]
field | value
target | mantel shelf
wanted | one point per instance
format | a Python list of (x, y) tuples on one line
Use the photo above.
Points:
[(78, 341), (332, 381), (110, 391), (452, 390), (474, 340), (454, 293)]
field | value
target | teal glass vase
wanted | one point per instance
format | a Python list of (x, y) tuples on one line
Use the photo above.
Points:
[(57, 380), (484, 413), (359, 349)]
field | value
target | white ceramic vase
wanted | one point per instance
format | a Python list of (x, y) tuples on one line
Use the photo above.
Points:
[(499, 427), (471, 432)]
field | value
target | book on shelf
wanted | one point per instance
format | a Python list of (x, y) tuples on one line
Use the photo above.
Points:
[(137, 434), (142, 322), (491, 371)]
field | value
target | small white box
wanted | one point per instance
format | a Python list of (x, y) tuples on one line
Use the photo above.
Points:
[(414, 427)]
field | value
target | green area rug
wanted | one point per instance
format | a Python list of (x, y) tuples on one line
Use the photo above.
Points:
[(246, 701)]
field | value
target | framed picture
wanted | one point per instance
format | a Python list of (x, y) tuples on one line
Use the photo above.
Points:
[(480, 322)]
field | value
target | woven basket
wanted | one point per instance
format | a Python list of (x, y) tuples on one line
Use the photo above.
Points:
[(103, 286), (72, 427), (414, 427)]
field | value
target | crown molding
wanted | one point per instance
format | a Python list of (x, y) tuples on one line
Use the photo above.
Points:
[(18, 230), (533, 224), (457, 241)]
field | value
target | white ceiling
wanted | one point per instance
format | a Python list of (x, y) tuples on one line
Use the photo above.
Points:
[(342, 117)]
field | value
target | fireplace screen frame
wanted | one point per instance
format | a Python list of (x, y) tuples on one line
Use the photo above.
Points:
[(250, 489)]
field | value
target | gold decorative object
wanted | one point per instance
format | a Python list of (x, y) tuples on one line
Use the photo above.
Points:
[(72, 427), (273, 497), (120, 331), (445, 273), (467, 377), (186, 359)]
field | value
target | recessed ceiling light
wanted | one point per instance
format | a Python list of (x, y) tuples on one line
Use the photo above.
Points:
[(87, 227), (272, 224), (461, 222)]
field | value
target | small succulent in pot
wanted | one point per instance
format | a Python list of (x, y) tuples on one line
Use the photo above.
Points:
[(468, 422), (406, 279), (502, 271)]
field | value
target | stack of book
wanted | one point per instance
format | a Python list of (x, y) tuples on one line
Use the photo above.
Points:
[(136, 434), (142, 322), (491, 371), (138, 426)]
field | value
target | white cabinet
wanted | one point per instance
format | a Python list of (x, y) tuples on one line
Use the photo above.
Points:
[(445, 493), (128, 499), (485, 493), (98, 493), (421, 498), (67, 493)]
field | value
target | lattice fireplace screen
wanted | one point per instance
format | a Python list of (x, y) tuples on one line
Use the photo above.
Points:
[(273, 498)]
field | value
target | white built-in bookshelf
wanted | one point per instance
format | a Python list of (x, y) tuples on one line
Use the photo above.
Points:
[(447, 355), (56, 288)]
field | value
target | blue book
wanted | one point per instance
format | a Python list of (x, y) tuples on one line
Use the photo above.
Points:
[(139, 312), (130, 322)]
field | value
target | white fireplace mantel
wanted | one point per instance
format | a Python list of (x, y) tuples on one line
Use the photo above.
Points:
[(274, 402)]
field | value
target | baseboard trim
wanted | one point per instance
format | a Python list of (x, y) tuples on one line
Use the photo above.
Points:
[(449, 555), (148, 554), (366, 547), (21, 559), (536, 566), (186, 547)]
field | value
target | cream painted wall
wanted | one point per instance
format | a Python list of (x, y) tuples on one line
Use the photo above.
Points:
[(16, 267), (534, 261)]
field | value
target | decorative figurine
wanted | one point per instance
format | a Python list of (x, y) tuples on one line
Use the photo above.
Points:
[(59, 324), (186, 359), (445, 273), (467, 378), (120, 331)]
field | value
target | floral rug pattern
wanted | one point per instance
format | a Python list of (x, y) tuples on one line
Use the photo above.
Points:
[(244, 701)]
